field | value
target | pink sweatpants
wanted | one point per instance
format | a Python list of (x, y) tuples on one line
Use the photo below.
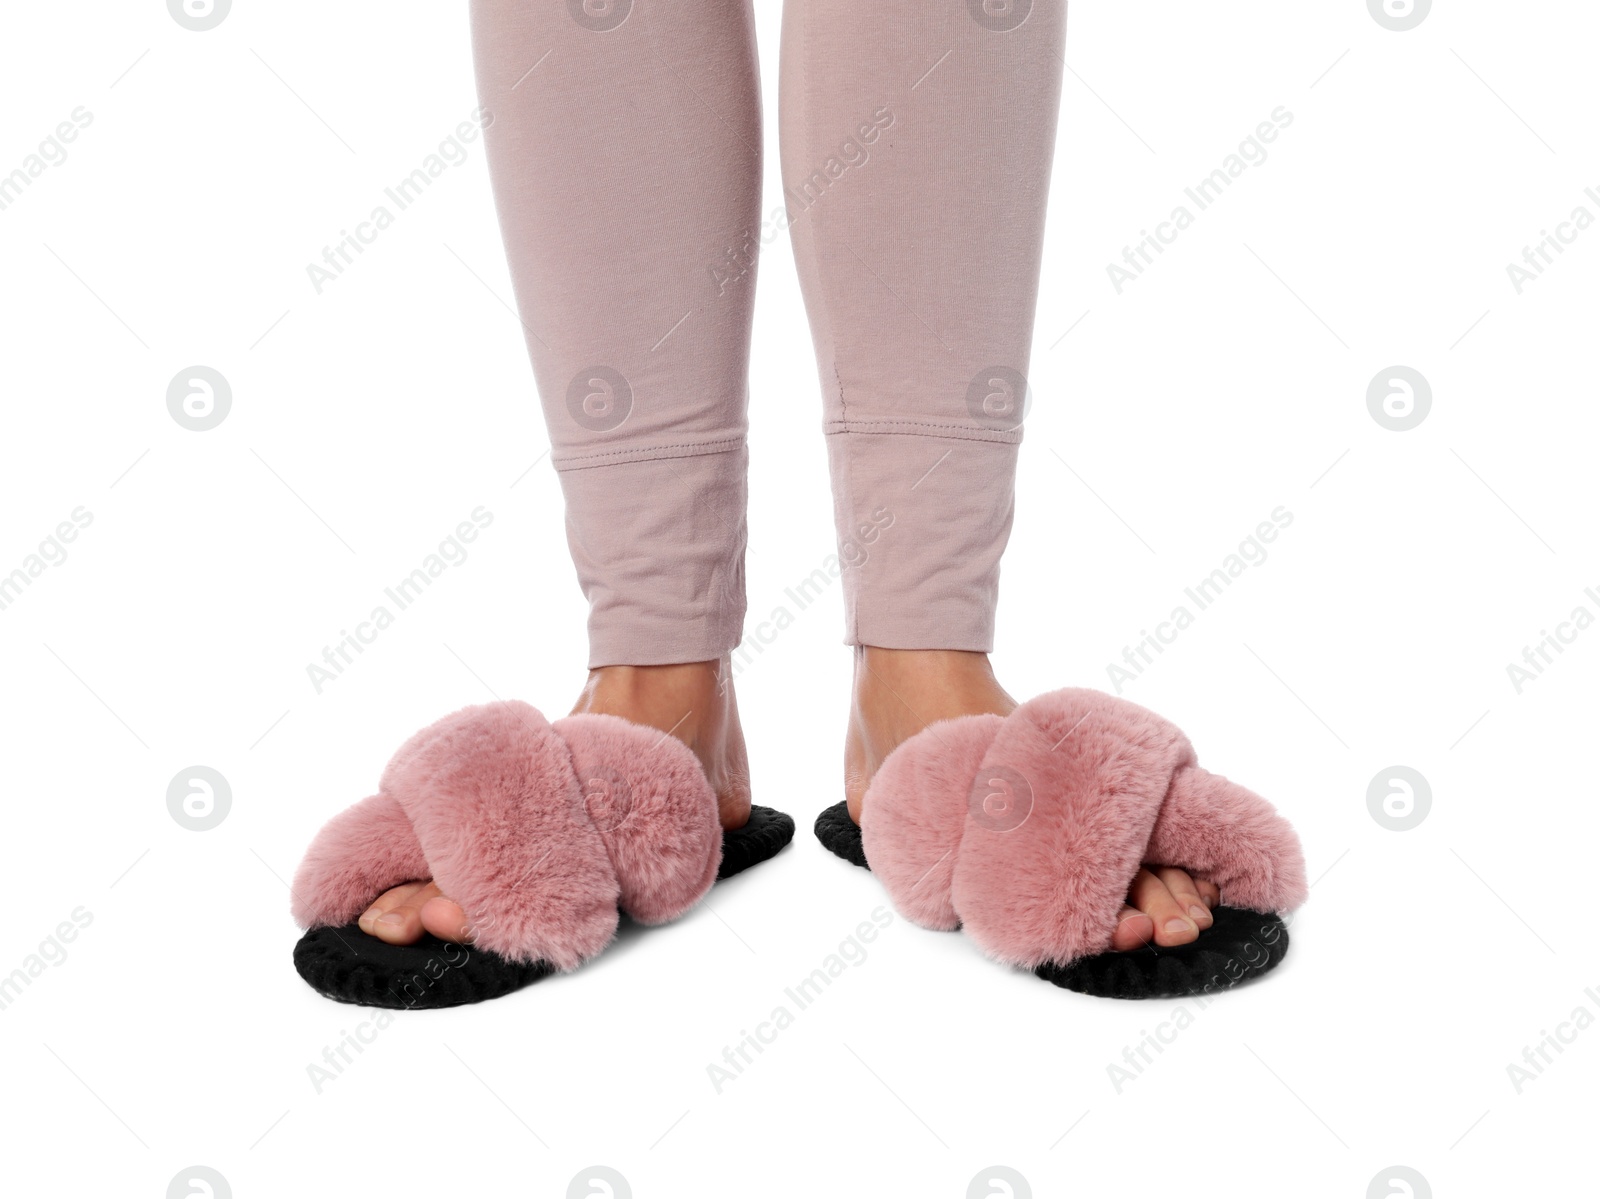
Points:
[(625, 149)]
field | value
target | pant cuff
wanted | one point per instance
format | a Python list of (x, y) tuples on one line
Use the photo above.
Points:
[(659, 549), (923, 521)]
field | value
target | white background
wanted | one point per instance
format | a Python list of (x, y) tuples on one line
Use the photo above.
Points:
[(369, 420)]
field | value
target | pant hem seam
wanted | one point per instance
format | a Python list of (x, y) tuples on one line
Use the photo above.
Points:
[(911, 428), (688, 449)]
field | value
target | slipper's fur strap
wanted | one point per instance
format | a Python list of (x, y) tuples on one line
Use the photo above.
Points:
[(1025, 831)]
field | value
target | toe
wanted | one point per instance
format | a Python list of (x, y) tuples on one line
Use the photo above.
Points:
[(387, 902), (1134, 930), (443, 917), (395, 915), (1172, 925), (1208, 892), (1183, 889)]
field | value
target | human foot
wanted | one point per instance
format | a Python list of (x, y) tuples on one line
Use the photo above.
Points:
[(898, 693), (693, 702)]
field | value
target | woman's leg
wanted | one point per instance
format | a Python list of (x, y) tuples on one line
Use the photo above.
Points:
[(916, 144), (626, 162), (917, 140), (624, 143)]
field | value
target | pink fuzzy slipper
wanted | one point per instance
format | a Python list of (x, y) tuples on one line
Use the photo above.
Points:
[(541, 832), (1025, 832)]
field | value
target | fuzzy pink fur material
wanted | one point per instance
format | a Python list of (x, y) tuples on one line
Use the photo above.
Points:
[(539, 832), (654, 809), (359, 854), (1027, 830), (916, 808)]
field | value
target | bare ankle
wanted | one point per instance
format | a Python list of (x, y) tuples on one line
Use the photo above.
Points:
[(929, 663), (929, 683), (620, 683)]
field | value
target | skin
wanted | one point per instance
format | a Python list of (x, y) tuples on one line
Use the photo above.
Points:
[(895, 695)]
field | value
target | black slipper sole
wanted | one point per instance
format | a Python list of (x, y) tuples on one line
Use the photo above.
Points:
[(1239, 947), (350, 966)]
